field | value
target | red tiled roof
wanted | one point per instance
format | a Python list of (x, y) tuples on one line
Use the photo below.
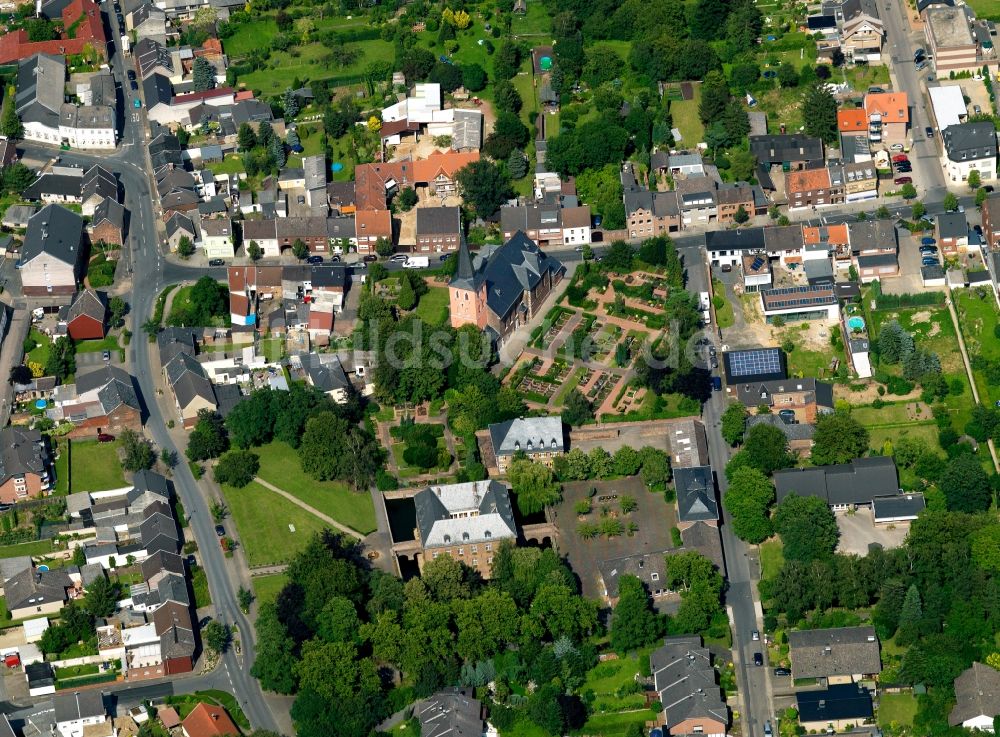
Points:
[(855, 119), (203, 95), (207, 720), (373, 223), (807, 180), (89, 32)]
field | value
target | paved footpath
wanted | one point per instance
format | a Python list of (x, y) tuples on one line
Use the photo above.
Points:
[(312, 510)]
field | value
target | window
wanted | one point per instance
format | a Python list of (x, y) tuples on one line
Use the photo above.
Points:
[(461, 551), (475, 548), (489, 547), (655, 576)]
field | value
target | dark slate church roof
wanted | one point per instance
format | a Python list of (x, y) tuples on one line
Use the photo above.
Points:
[(695, 494)]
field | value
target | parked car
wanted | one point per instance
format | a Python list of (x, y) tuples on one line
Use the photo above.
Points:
[(398, 258), (929, 261), (131, 74), (921, 66), (758, 659), (370, 258), (192, 561), (988, 187), (927, 241), (978, 229), (106, 355), (220, 530), (929, 131), (928, 252), (314, 260), (900, 158), (105, 438), (787, 416), (444, 257), (977, 110), (767, 729), (217, 262), (335, 259), (903, 180), (134, 85), (726, 268), (782, 672), (755, 635), (919, 52), (896, 147)]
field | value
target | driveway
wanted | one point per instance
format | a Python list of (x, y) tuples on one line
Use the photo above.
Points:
[(93, 360), (858, 531), (908, 281)]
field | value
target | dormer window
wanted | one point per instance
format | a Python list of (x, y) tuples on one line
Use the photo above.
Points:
[(487, 534), (447, 538), (465, 536)]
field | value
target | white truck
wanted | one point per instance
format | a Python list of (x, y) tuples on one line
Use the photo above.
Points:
[(704, 303), (417, 262)]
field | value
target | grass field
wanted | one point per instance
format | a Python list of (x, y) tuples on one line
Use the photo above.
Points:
[(612, 714), (33, 549), (988, 9), (40, 353), (266, 521), (978, 318), (772, 558), (110, 343), (279, 465), (806, 362), (283, 68), (94, 466), (433, 306), (685, 117), (250, 36), (62, 468), (266, 588), (199, 584), (231, 164), (899, 708), (723, 307)]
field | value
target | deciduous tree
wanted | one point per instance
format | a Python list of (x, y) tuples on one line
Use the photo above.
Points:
[(807, 527), (839, 438), (748, 500)]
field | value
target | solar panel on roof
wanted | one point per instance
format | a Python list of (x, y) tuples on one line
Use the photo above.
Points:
[(757, 263), (751, 363)]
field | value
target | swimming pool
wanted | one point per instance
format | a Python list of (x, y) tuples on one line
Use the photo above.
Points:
[(856, 323)]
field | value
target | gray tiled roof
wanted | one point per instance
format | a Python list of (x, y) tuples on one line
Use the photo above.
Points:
[(695, 494), (527, 433), (762, 392), (325, 375), (33, 587), (684, 678), (41, 82), (439, 220), (970, 141), (977, 693), (473, 512), (56, 232), (842, 651), (857, 482), (78, 705), (22, 451), (791, 430), (901, 505), (87, 302), (109, 211)]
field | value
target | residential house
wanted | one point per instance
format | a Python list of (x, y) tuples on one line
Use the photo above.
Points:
[(806, 398), (991, 221), (34, 591), (25, 464), (208, 720), (874, 249), (147, 21), (540, 438), (952, 232), (968, 147), (696, 501), (756, 272), (58, 185), (798, 434), (650, 568), (41, 80), (814, 188), (85, 317), (696, 199), (464, 521), (87, 126), (76, 711), (177, 642), (789, 151), (852, 120), (41, 679), (99, 401), (838, 655), (17, 216), (861, 31), (648, 214), (52, 252), (812, 302), (540, 222), (439, 229), (191, 388), (686, 687), (576, 222), (314, 174), (843, 486), (370, 226), (860, 181), (217, 238), (376, 183), (108, 223), (503, 288), (98, 184), (734, 204), (835, 708), (898, 510), (180, 226), (451, 713), (325, 372), (977, 698), (888, 117)]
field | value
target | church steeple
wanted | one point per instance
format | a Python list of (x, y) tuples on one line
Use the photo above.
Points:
[(465, 274)]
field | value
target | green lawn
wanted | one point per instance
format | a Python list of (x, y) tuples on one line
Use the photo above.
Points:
[(805, 362), (279, 465), (772, 558), (723, 307), (685, 117), (232, 164), (265, 521), (978, 317), (94, 466), (283, 68), (62, 468), (896, 707), (40, 353), (250, 36), (988, 9), (109, 343), (615, 723), (266, 588), (185, 704), (199, 584), (535, 22), (433, 306), (612, 714), (33, 549)]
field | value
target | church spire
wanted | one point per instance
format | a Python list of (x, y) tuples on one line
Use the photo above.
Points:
[(465, 274)]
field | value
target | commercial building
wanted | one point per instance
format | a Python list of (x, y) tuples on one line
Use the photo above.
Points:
[(970, 147)]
